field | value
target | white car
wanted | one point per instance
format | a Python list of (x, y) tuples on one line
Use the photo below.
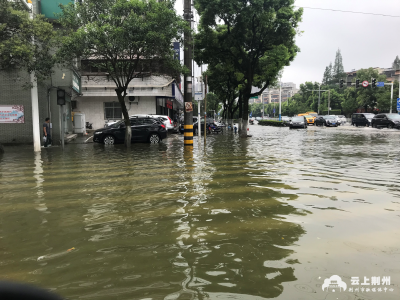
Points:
[(343, 119), (165, 119)]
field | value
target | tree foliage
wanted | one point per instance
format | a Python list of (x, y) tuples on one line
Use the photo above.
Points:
[(127, 38), (256, 39), (338, 69), (17, 31)]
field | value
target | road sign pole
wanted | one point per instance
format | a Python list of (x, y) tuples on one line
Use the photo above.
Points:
[(391, 98)]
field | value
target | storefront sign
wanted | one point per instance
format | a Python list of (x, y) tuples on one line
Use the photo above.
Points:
[(188, 106), (76, 83), (12, 114), (169, 104)]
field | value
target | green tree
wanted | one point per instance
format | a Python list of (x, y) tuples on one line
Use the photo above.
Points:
[(327, 78), (213, 103), (256, 109), (127, 38), (369, 97), (396, 63), (257, 38), (338, 69), (223, 81), (17, 31), (349, 102)]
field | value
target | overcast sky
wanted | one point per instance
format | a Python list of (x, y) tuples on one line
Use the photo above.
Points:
[(364, 40)]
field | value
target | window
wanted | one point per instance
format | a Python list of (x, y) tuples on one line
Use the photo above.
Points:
[(112, 110), (148, 121)]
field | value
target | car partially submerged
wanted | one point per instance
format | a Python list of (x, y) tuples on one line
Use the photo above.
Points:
[(143, 130)]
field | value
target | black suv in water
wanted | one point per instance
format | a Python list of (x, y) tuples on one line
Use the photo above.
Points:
[(386, 120), (143, 130), (361, 119)]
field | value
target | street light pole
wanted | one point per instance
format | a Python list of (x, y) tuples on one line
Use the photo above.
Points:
[(391, 98), (280, 100), (35, 102)]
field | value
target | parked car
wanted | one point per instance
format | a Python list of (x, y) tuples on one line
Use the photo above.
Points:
[(165, 119), (181, 128), (326, 121), (298, 122), (286, 120), (338, 120), (361, 119), (343, 119), (386, 120), (310, 119), (143, 130)]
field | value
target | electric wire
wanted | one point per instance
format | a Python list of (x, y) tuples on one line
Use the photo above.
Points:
[(349, 11)]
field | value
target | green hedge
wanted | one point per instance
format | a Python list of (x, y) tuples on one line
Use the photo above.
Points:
[(270, 123), (332, 112)]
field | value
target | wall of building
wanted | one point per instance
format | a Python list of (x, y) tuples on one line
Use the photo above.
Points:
[(13, 92), (93, 107)]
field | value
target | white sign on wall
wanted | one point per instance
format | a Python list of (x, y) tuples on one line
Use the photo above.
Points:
[(12, 114)]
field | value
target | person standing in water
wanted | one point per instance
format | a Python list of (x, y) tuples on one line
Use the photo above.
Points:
[(47, 133)]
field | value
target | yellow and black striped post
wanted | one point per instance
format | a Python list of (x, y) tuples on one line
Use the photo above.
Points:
[(188, 135)]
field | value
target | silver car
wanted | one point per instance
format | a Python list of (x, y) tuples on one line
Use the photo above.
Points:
[(338, 119)]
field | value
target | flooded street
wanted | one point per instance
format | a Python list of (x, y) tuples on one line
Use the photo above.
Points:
[(271, 216)]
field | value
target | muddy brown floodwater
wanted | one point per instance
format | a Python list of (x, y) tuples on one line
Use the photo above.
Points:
[(272, 216)]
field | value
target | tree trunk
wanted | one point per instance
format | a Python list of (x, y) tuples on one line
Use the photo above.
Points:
[(245, 113), (240, 121), (121, 93)]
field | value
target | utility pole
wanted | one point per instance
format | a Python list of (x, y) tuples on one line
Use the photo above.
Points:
[(35, 102), (319, 98), (205, 110), (199, 116), (187, 53), (329, 101)]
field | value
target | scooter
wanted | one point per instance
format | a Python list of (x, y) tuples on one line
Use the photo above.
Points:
[(89, 125)]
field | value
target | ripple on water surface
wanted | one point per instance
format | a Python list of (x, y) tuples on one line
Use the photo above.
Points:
[(270, 216)]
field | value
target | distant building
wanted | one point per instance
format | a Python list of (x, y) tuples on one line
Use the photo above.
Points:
[(271, 95), (391, 74)]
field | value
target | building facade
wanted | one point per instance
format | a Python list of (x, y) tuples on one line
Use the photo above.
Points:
[(99, 103)]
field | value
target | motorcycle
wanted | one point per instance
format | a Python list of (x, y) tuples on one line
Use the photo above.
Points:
[(212, 128)]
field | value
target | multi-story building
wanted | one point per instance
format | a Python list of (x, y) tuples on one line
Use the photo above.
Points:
[(88, 91), (391, 74), (146, 95), (271, 95), (13, 94)]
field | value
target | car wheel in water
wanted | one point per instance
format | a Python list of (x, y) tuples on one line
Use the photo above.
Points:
[(374, 125), (154, 138), (367, 124), (390, 126), (357, 125), (109, 140)]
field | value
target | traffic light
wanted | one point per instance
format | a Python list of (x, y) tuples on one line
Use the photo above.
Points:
[(341, 83), (373, 82), (357, 83), (60, 97)]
